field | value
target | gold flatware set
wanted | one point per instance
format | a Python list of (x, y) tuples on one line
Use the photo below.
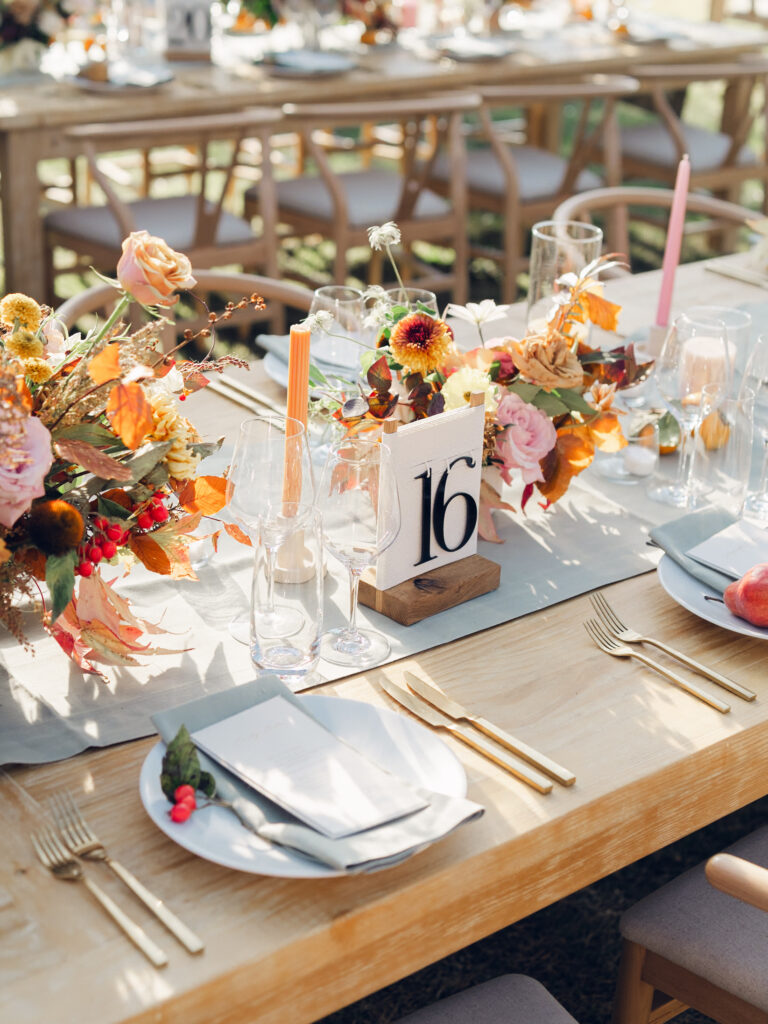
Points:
[(62, 850)]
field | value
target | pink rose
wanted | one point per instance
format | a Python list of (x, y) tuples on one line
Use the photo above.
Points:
[(151, 271), (22, 471), (528, 436)]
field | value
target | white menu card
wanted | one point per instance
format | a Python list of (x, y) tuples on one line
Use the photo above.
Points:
[(296, 762), (734, 550)]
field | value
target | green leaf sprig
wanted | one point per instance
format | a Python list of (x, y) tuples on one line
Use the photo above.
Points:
[(181, 767)]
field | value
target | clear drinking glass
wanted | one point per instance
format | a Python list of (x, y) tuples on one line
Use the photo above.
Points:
[(738, 325), (722, 455), (755, 379), (361, 517), (270, 481), (557, 248), (695, 353), (287, 597), (347, 307), (638, 461)]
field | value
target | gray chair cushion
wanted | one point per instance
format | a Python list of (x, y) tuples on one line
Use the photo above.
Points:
[(539, 173), (372, 197), (700, 928), (652, 143), (172, 219), (510, 999)]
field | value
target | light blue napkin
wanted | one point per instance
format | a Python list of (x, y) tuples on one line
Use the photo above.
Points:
[(375, 848), (680, 535)]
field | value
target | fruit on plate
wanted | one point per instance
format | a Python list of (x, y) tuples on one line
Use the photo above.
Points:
[(748, 597)]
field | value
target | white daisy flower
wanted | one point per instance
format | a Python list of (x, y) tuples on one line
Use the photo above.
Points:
[(477, 313), (384, 236), (322, 320)]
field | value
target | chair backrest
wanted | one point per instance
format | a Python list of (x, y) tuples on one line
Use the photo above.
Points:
[(618, 199), (751, 70), (101, 296), (445, 112), (198, 131), (591, 90)]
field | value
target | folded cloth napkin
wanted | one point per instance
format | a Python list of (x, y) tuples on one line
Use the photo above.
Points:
[(682, 534), (375, 848)]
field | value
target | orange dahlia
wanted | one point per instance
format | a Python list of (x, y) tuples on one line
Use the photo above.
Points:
[(420, 342)]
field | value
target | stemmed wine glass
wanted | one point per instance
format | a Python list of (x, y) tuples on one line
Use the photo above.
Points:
[(361, 518), (696, 352), (756, 379), (270, 483)]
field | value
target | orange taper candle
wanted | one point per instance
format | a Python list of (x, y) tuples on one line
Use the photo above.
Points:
[(298, 402)]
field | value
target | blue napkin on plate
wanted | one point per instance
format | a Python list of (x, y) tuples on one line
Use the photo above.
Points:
[(680, 535)]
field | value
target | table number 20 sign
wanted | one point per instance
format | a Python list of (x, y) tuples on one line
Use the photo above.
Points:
[(438, 463)]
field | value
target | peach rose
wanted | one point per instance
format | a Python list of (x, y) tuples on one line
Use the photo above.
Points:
[(527, 437), (151, 271), (22, 470)]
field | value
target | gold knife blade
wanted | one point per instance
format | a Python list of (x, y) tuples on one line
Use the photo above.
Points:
[(434, 718), (456, 711)]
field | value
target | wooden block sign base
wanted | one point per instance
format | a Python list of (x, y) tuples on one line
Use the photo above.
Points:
[(432, 592)]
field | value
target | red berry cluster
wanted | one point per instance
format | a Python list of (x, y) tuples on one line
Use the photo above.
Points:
[(106, 539), (155, 513), (184, 805)]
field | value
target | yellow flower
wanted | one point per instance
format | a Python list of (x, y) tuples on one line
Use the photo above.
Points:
[(420, 342), (460, 385), (20, 307), (171, 426), (37, 370), (23, 344)]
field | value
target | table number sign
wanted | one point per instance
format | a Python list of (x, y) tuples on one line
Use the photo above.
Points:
[(433, 564), (188, 29)]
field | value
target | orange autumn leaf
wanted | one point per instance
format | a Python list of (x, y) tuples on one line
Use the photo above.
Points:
[(150, 554), (600, 311), (237, 534), (206, 494), (605, 432), (106, 365), (130, 414), (119, 497), (572, 453)]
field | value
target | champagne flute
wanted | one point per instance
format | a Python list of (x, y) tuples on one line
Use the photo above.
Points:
[(269, 485), (756, 379), (695, 353), (361, 518)]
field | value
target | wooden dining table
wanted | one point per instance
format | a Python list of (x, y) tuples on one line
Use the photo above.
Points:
[(652, 765), (34, 114)]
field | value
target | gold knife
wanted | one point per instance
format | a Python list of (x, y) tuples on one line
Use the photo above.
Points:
[(467, 735), (454, 710)]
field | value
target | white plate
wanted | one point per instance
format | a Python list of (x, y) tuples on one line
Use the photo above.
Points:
[(309, 63), (690, 593), (394, 741), (123, 78)]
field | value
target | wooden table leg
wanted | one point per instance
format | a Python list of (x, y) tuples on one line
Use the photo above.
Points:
[(22, 229)]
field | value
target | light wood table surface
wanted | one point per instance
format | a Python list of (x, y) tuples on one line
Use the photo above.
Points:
[(652, 765), (33, 116)]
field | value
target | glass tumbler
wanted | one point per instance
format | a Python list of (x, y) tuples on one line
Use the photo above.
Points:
[(341, 345), (722, 456), (557, 248), (287, 604)]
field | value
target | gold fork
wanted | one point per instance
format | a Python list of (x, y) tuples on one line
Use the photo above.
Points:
[(629, 636), (83, 842), (608, 643), (54, 856)]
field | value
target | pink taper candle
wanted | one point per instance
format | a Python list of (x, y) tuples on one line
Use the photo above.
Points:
[(674, 241)]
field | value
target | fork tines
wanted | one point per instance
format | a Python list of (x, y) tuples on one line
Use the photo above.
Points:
[(600, 637), (606, 613), (49, 847), (69, 820)]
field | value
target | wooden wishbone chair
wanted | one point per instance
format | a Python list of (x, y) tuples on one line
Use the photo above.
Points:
[(508, 999), (341, 206), (525, 182), (691, 945), (194, 224)]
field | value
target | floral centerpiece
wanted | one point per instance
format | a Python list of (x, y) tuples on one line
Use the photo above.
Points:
[(548, 396), (98, 465)]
